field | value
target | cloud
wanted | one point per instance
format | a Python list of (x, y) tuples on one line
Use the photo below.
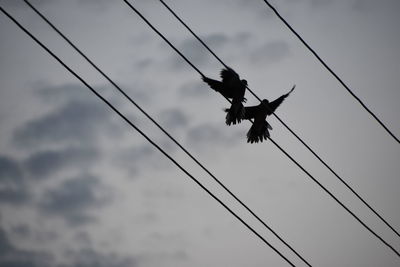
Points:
[(12, 256), (136, 158), (91, 258), (209, 135), (193, 89), (173, 118), (270, 52), (75, 122), (74, 199), (44, 163), (195, 51), (19, 4), (12, 184)]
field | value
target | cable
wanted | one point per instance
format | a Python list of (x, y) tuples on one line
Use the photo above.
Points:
[(302, 168), (330, 70), (284, 124), (142, 133), (162, 129), (336, 199)]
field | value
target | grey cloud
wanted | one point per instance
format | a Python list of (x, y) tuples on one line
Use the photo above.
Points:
[(195, 51), (61, 93), (11, 256), (73, 92), (211, 135), (74, 122), (194, 89), (74, 199), (218, 43), (19, 4), (91, 258), (41, 164), (144, 157), (173, 118), (134, 159), (12, 184), (271, 52)]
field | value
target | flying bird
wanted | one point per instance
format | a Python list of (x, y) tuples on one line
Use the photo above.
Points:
[(231, 87), (259, 130)]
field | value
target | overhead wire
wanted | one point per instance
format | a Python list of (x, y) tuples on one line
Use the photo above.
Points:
[(330, 70), (280, 148), (162, 129), (130, 123), (285, 125)]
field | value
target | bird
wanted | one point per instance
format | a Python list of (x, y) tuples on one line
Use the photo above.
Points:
[(231, 87), (259, 130)]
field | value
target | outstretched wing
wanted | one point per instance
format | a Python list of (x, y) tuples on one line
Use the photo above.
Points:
[(228, 75), (250, 112), (276, 103), (214, 84), (219, 87)]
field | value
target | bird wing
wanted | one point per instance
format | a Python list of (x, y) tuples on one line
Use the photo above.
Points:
[(228, 75), (219, 87), (214, 84), (250, 112), (276, 103)]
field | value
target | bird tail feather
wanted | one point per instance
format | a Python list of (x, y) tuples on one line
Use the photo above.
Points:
[(254, 136), (234, 114)]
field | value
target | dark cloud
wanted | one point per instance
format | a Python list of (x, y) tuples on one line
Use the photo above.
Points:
[(11, 256), (75, 199), (75, 122), (269, 53), (44, 163), (12, 184)]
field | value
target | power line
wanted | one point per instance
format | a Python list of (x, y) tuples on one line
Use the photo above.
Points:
[(143, 134), (336, 199), (330, 70), (302, 168), (284, 124), (161, 128)]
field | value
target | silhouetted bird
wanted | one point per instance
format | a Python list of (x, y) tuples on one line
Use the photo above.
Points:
[(259, 130), (233, 88)]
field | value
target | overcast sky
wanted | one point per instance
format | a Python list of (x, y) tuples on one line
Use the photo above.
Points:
[(79, 187)]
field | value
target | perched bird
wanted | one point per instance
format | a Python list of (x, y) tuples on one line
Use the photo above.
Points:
[(259, 130), (230, 87)]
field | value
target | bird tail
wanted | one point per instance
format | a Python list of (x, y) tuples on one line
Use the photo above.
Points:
[(255, 136), (234, 114)]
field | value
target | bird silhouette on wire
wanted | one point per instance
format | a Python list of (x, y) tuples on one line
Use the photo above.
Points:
[(259, 130), (231, 87)]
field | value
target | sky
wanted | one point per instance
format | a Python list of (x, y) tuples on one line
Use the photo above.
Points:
[(79, 187)]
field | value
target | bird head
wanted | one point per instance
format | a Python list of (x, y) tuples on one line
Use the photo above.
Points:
[(244, 82), (265, 101)]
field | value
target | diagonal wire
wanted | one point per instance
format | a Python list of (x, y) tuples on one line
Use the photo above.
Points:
[(142, 133), (330, 70), (292, 159), (286, 126), (161, 128)]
